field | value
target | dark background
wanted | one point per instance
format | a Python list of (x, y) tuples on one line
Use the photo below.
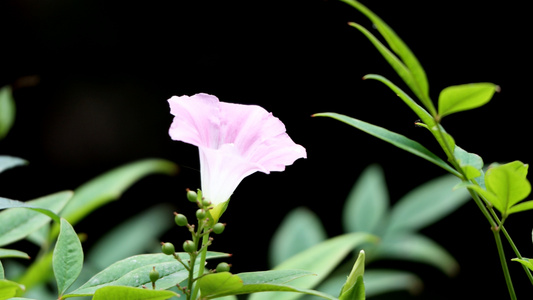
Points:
[(92, 79)]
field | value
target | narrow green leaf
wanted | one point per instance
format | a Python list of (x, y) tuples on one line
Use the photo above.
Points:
[(424, 116), (23, 218), (463, 97), (10, 289), (67, 260), (355, 280), (134, 271), (320, 259), (269, 281), (382, 281), (2, 274), (303, 228), (397, 140), (415, 78), (219, 283), (426, 204), (8, 162), (150, 224), (368, 202), (7, 111), (528, 262), (13, 253), (110, 186), (131, 293), (418, 248)]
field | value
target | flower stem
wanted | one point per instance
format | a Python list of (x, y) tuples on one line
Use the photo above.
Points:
[(201, 268), (506, 273)]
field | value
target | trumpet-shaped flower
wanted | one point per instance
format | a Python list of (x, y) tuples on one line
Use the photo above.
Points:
[(234, 141)]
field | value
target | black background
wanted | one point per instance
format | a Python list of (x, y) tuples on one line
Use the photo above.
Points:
[(92, 79)]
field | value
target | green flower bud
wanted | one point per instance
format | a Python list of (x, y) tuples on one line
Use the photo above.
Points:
[(219, 228), (206, 203), (191, 196), (154, 275), (168, 248), (223, 267), (200, 214), (181, 220), (189, 246)]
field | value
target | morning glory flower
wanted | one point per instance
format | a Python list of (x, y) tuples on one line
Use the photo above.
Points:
[(234, 141)]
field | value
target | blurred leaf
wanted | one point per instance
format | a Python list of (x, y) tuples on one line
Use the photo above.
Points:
[(149, 225), (110, 186), (409, 68), (426, 204), (463, 97), (418, 248), (39, 272), (368, 202), (397, 140), (10, 289), (302, 228), (13, 253), (23, 218), (8, 162), (255, 282), (383, 281), (67, 260), (2, 275), (354, 288), (134, 271), (7, 111), (320, 259), (131, 293)]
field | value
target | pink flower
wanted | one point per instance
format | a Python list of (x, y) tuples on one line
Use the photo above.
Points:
[(234, 141)]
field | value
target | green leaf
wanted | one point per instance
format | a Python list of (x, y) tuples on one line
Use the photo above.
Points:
[(508, 183), (131, 293), (67, 260), (527, 205), (2, 275), (426, 204), (302, 228), (528, 262), (410, 70), (7, 111), (424, 116), (463, 97), (397, 140), (38, 272), (219, 283), (354, 287), (383, 281), (8, 162), (9, 289), (320, 259), (367, 203), (418, 248), (110, 186), (134, 271), (266, 281), (470, 163), (13, 253), (150, 225), (23, 218)]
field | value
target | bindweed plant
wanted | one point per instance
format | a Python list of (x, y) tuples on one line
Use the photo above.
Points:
[(498, 188)]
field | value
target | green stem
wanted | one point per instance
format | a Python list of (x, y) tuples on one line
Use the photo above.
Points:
[(501, 253), (201, 269)]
